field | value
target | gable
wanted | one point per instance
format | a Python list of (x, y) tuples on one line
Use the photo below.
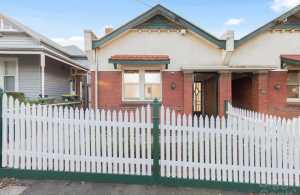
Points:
[(287, 21), (152, 19), (159, 22)]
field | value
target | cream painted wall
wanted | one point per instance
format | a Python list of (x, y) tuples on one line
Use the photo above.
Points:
[(265, 49), (188, 50)]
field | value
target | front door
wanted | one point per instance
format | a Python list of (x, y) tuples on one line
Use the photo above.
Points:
[(205, 93)]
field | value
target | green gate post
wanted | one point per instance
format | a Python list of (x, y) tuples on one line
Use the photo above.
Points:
[(156, 145), (1, 97)]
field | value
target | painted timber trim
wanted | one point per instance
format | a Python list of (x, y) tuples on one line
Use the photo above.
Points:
[(144, 180), (285, 62), (267, 26), (139, 62), (159, 10)]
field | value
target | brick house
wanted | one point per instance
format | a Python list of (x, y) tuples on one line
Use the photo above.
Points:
[(160, 54)]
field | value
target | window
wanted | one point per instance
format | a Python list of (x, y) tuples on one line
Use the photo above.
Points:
[(293, 83), (8, 73), (141, 84)]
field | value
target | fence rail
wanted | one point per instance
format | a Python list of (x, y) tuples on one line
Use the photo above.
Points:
[(240, 148)]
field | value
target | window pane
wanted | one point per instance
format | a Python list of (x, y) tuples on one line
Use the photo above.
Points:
[(9, 83), (10, 68), (152, 77), (293, 78), (293, 91), (131, 91), (131, 77), (152, 91)]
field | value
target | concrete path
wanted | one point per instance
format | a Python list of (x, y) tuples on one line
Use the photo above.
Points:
[(29, 187)]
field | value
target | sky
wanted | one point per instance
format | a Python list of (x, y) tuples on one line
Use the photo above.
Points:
[(64, 20)]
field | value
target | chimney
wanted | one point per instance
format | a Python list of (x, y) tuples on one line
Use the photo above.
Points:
[(228, 36), (108, 30), (89, 36), (229, 47)]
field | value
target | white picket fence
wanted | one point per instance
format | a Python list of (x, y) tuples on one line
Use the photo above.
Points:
[(53, 138), (239, 148), (236, 149)]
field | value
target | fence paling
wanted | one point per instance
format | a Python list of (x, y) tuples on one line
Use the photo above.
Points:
[(53, 138)]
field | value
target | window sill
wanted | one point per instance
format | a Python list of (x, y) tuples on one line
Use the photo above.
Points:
[(293, 101), (137, 102)]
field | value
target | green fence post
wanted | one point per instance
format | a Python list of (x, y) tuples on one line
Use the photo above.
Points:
[(1, 97), (156, 145)]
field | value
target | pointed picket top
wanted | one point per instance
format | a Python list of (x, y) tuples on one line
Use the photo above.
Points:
[(114, 116), (167, 113), (131, 117), (71, 114), (190, 120), (184, 120), (17, 106), (218, 123), (201, 122), (103, 115), (76, 114), (173, 118), (92, 114), (137, 115), (212, 122), (108, 116), (162, 115), (223, 123), (143, 115), (206, 122), (120, 116), (125, 116), (195, 121)]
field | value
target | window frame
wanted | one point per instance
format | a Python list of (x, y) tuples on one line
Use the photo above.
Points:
[(16, 60), (141, 71)]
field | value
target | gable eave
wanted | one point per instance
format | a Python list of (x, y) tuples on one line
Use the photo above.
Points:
[(266, 27), (158, 9)]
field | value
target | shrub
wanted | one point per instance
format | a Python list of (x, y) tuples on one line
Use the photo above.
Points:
[(17, 95)]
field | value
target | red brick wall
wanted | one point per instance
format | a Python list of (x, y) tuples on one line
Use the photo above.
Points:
[(278, 97), (188, 93), (173, 97), (260, 92), (267, 93), (110, 91), (224, 88), (93, 83)]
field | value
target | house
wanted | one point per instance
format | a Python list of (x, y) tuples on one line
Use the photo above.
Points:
[(35, 65), (161, 55)]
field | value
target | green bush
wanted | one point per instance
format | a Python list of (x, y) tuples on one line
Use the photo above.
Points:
[(42, 101), (17, 95)]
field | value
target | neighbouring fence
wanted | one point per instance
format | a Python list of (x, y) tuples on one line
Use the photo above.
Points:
[(55, 139), (237, 149)]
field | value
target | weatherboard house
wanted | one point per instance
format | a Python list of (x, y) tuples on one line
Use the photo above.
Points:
[(37, 66), (161, 55)]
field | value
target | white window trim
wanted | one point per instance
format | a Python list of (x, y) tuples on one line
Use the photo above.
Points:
[(17, 70), (142, 86)]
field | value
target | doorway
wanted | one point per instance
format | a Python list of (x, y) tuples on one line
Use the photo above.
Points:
[(205, 94)]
